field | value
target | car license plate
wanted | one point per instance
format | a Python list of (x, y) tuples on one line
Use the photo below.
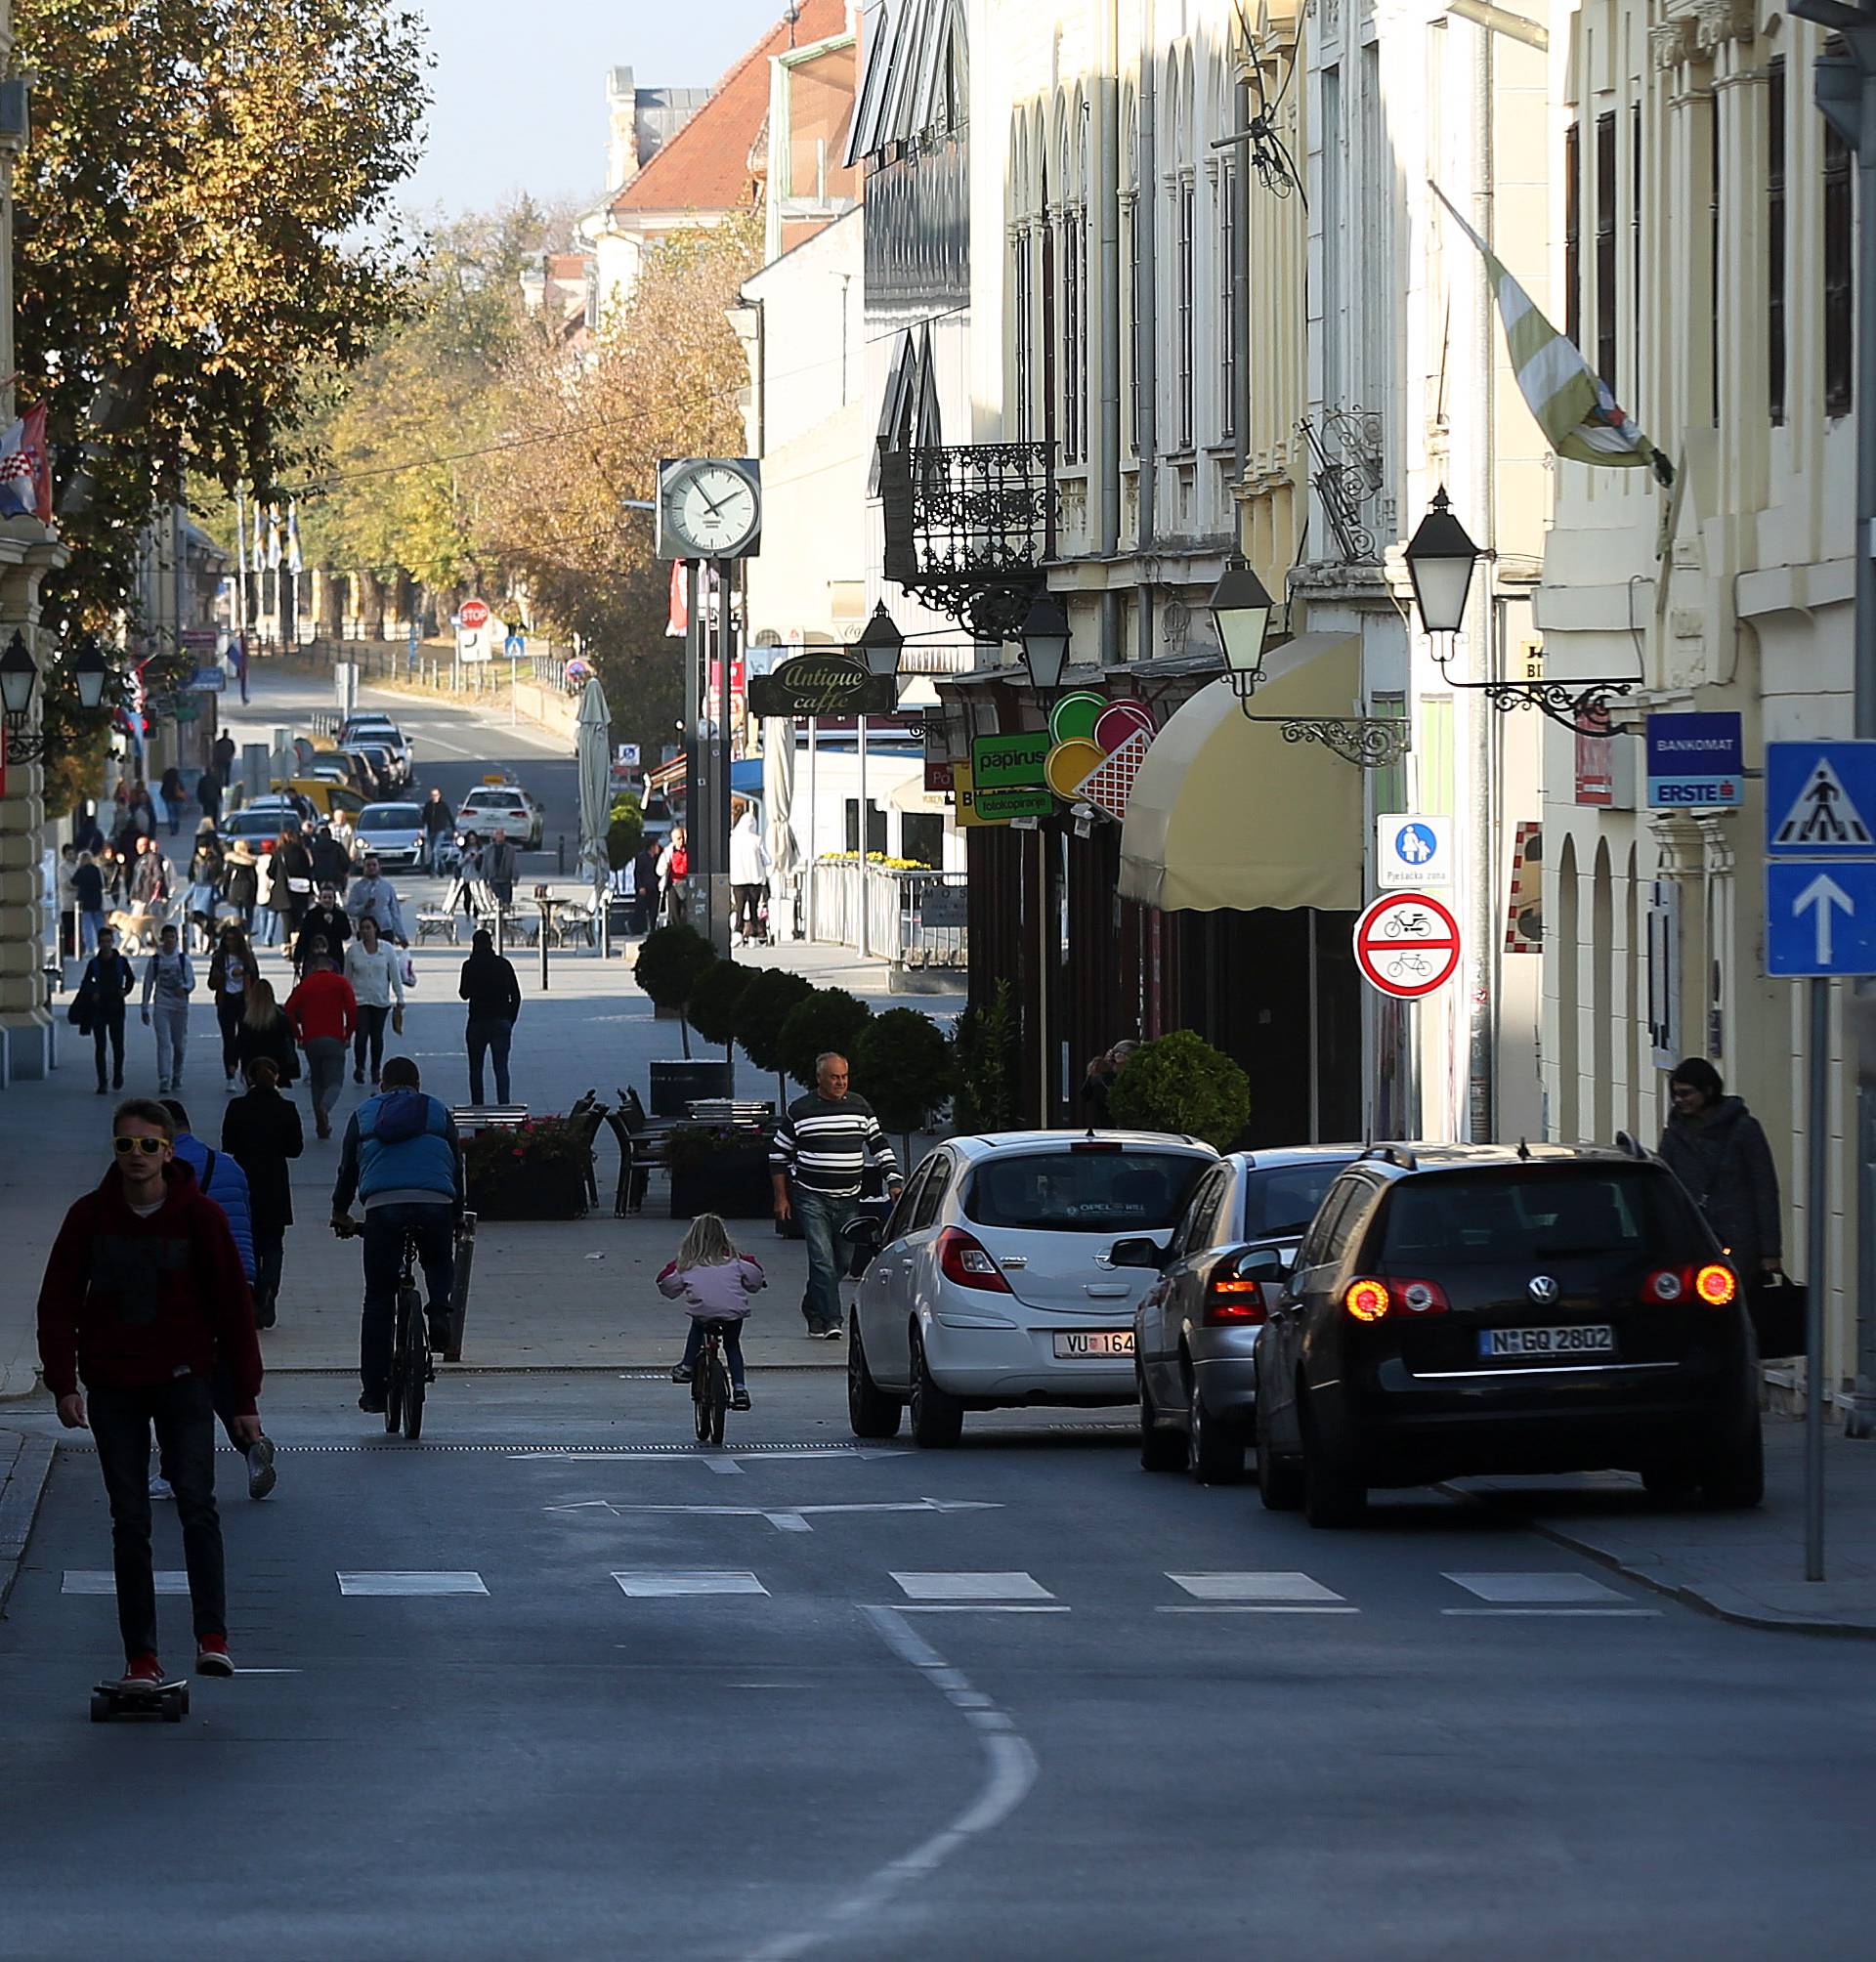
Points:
[(1578, 1338), (1094, 1342)]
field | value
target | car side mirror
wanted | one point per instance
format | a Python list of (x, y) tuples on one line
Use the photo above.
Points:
[(1139, 1252)]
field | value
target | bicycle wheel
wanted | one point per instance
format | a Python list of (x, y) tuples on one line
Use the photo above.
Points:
[(393, 1386), (413, 1343), (700, 1396), (719, 1397)]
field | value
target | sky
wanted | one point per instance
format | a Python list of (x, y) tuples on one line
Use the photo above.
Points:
[(520, 89)]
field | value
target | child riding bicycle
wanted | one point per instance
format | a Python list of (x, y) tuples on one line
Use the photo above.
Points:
[(714, 1282)]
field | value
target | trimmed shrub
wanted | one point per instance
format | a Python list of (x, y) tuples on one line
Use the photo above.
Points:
[(711, 1010), (1179, 1082), (828, 1019), (672, 961), (625, 832), (761, 1008), (901, 1066), (985, 1064)]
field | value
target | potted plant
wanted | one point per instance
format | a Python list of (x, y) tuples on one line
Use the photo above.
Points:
[(903, 1064), (1179, 1082), (670, 963), (986, 1059), (711, 1010), (761, 1008), (625, 832), (720, 1169), (536, 1173), (828, 1019)]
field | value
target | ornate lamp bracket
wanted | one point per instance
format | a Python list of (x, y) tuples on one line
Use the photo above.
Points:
[(1368, 741)]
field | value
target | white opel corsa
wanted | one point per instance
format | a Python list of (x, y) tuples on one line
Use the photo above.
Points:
[(991, 1284)]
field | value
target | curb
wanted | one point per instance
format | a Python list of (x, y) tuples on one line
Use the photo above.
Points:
[(12, 1391), (27, 1463)]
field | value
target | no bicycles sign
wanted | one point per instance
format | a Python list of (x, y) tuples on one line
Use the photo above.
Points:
[(1406, 945)]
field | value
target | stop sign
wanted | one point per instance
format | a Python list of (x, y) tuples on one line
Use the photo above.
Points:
[(474, 615)]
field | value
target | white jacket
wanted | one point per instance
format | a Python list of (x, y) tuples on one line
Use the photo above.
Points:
[(377, 979), (748, 855)]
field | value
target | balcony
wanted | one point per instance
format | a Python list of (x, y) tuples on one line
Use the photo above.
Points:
[(969, 529)]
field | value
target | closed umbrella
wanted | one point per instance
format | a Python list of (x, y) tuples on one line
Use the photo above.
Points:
[(778, 793), (593, 762)]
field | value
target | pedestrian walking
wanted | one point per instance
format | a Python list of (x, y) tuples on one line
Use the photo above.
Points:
[(174, 798), (375, 971), (403, 1157), (241, 882), (325, 922), (143, 1301), (375, 898), (714, 1282), (293, 894), (261, 1132), (819, 1162), (488, 982), (469, 851), (438, 825), (748, 876), (231, 968), (501, 866), (223, 756), (88, 891), (673, 870), (265, 1032), (169, 980), (325, 1014), (1717, 1150), (98, 1008), (644, 887), (331, 862), (150, 877), (209, 793)]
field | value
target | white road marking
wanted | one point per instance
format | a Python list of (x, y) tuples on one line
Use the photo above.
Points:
[(844, 1455), (1567, 1613), (270, 1672), (726, 1467), (1273, 1587), (971, 1587), (784, 1518), (1546, 1589), (663, 1583), (1012, 1772), (979, 1608), (1259, 1607), (409, 1581), (102, 1581)]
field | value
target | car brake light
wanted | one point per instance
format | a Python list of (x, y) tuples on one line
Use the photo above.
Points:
[(961, 1259), (1716, 1285), (1370, 1299), (1095, 1144), (1665, 1283), (1230, 1298), (1419, 1298), (1365, 1300)]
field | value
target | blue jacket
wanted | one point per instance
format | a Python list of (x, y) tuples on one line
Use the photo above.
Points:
[(420, 1155), (227, 1186)]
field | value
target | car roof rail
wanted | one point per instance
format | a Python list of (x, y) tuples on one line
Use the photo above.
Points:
[(1392, 1154), (1626, 1141)]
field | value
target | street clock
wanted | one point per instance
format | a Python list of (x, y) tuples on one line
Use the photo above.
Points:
[(709, 507)]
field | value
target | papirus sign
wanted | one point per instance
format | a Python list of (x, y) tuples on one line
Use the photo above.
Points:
[(1017, 762), (1406, 945)]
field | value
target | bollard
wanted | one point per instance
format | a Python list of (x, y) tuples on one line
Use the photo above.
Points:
[(560, 855), (543, 948)]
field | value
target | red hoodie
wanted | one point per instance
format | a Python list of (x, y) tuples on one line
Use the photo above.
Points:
[(129, 1302), (324, 1005)]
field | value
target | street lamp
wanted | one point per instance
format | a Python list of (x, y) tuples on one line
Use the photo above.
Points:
[(1241, 611), (1044, 636), (882, 644), (90, 670), (19, 677), (1440, 558)]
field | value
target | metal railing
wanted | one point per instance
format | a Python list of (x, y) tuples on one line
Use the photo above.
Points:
[(910, 919)]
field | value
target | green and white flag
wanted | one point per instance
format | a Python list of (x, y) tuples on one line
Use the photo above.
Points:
[(1572, 403)]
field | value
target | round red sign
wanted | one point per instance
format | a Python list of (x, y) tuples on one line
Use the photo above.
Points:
[(474, 615), (1406, 945)]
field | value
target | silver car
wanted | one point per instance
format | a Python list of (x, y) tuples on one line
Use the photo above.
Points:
[(391, 833), (1196, 1328)]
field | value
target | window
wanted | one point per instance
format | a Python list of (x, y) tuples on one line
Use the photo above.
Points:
[(1023, 306), (931, 1197), (1184, 199), (1447, 1219), (876, 827), (1635, 245), (921, 836), (1227, 301), (898, 1220), (1713, 258), (1572, 235), (1605, 185), (1840, 345), (1074, 232), (1083, 1191), (1775, 238), (1280, 1203), (1195, 1227), (1130, 222)]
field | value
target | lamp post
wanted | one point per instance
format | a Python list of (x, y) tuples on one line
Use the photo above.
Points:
[(1440, 560), (1241, 611), (19, 677), (1044, 635), (90, 670), (881, 644)]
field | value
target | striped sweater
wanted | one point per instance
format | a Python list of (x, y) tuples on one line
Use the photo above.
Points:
[(823, 1144)]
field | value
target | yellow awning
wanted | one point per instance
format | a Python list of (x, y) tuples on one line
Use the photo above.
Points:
[(1225, 812)]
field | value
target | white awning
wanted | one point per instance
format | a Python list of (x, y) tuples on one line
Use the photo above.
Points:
[(1226, 813)]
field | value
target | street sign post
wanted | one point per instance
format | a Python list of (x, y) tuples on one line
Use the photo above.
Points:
[(1820, 925), (472, 632), (1413, 852), (1407, 945)]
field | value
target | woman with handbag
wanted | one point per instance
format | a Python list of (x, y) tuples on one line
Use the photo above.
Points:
[(266, 1031), (241, 882), (232, 967), (375, 971)]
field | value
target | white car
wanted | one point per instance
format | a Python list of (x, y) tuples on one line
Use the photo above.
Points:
[(993, 1283), (391, 833), (508, 805)]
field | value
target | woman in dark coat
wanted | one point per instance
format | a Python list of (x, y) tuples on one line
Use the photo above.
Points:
[(1717, 1148), (266, 1031), (261, 1133)]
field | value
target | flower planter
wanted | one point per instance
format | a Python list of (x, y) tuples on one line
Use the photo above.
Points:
[(734, 1184), (520, 1190)]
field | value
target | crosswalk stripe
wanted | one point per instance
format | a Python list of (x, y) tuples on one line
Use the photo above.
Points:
[(400, 1582), (1271, 1587), (102, 1581), (972, 1587), (661, 1583), (1529, 1590)]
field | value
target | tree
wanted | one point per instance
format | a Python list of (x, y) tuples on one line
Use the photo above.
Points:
[(1179, 1082), (672, 961), (830, 1020), (624, 833), (202, 226), (986, 1055), (902, 1064), (714, 998), (761, 1009)]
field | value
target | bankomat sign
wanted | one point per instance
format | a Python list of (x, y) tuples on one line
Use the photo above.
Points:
[(1695, 762)]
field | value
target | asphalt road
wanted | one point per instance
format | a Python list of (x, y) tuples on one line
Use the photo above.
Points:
[(1020, 1699)]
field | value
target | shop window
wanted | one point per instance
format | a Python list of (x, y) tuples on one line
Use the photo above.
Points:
[(921, 836), (1605, 188), (876, 827)]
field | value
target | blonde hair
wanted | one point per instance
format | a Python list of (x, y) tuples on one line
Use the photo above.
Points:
[(263, 1010), (706, 1243)]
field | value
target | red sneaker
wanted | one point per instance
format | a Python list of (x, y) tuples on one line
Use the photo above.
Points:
[(142, 1672), (212, 1657)]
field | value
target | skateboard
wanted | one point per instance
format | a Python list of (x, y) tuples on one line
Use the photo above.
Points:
[(167, 1700)]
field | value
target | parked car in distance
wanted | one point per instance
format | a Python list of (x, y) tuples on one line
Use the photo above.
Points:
[(322, 796), (393, 833), (991, 1283), (378, 731), (258, 823), (1466, 1309), (517, 810), (1196, 1329)]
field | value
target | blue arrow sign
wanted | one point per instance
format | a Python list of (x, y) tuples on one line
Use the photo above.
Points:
[(1820, 920)]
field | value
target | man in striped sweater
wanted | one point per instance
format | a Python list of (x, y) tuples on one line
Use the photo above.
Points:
[(819, 1162)]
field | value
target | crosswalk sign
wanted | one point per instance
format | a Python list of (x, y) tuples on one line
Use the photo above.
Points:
[(1821, 799)]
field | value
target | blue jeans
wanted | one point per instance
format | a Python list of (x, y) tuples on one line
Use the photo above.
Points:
[(822, 1215), (88, 925), (435, 1227), (732, 1346)]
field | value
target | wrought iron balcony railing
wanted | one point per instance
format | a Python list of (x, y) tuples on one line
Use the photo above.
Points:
[(969, 529)]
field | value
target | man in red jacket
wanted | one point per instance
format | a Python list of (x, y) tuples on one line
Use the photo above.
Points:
[(325, 1014), (144, 1295)]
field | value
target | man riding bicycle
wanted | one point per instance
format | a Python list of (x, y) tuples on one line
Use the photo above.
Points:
[(403, 1157)]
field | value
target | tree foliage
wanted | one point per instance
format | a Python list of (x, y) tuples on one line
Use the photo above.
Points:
[(202, 226), (761, 1009), (830, 1019), (901, 1066), (986, 1058), (1179, 1082), (714, 998), (672, 961)]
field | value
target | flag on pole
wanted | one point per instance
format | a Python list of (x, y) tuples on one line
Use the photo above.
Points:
[(294, 563), (272, 537), (1574, 408), (678, 618), (26, 474), (237, 653)]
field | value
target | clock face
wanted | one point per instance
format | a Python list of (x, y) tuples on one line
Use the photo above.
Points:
[(712, 510)]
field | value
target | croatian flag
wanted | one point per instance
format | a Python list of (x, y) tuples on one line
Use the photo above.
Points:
[(25, 477)]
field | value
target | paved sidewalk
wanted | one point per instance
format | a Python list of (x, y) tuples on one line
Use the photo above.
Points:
[(1743, 1566)]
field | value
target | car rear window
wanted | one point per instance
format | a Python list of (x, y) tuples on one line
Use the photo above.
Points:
[(1279, 1204), (1084, 1191), (1484, 1217)]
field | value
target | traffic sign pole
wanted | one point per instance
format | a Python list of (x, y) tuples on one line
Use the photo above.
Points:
[(1817, 1255)]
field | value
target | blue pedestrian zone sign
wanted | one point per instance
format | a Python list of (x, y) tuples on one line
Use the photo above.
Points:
[(1694, 761), (1820, 853), (1821, 799), (1412, 852), (515, 647)]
